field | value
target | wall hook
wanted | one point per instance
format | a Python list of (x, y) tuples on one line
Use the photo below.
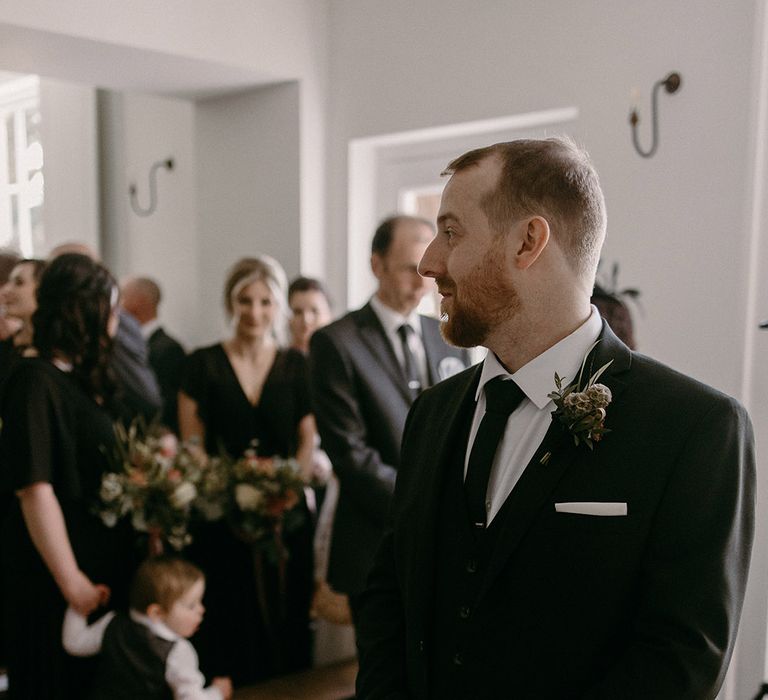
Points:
[(671, 84), (137, 208)]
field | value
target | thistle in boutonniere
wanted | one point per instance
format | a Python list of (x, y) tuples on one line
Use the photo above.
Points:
[(580, 407)]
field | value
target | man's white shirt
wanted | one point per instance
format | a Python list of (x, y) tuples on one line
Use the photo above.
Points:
[(391, 320), (528, 424)]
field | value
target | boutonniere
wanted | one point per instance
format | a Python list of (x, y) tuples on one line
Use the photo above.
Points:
[(580, 407)]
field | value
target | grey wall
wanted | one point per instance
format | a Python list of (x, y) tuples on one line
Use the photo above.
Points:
[(248, 188)]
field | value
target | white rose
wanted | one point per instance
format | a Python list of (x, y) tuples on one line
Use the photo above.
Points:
[(109, 518), (169, 445), (111, 488), (248, 497), (183, 495)]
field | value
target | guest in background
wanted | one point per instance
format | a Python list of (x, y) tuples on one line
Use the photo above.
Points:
[(334, 637), (310, 309), (138, 385), (616, 313), (18, 295), (366, 370), (55, 436), (248, 388), (140, 297), (8, 260)]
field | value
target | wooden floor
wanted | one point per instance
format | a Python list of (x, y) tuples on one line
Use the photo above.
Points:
[(328, 683)]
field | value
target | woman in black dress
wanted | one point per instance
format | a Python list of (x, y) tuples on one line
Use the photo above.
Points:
[(243, 389), (56, 552)]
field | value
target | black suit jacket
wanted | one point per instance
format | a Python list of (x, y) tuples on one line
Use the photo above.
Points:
[(361, 400), (166, 357), (578, 606)]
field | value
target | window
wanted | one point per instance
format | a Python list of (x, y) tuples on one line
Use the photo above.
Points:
[(21, 165)]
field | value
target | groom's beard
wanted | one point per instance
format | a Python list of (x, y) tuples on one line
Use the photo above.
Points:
[(485, 300)]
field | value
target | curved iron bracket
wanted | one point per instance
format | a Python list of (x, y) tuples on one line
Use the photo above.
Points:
[(671, 84), (137, 208)]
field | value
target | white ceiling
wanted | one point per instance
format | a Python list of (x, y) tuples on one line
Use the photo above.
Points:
[(116, 67)]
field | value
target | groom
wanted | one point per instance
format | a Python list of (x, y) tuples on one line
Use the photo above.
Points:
[(600, 552)]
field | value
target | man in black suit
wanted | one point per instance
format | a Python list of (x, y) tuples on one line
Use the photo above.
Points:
[(366, 369), (140, 297), (535, 554)]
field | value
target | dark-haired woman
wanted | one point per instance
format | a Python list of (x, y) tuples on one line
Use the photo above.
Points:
[(52, 450), (18, 298)]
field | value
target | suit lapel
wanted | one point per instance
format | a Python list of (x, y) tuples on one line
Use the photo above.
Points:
[(453, 423), (375, 338), (538, 481)]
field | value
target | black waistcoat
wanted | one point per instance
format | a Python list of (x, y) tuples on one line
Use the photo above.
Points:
[(462, 554), (131, 663)]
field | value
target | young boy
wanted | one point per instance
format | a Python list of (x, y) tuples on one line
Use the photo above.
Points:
[(145, 653)]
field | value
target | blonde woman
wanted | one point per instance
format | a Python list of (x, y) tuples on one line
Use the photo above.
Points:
[(245, 388)]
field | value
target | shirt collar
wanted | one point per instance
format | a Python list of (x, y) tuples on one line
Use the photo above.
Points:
[(148, 328), (392, 320), (157, 627), (537, 377)]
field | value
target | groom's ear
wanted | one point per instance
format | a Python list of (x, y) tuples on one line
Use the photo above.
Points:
[(533, 239)]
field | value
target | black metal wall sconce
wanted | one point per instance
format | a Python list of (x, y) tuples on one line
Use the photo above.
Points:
[(671, 84), (137, 208)]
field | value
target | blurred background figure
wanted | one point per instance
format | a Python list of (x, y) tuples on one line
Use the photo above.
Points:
[(19, 299), (310, 309), (616, 313), (18, 295), (140, 297), (8, 260), (57, 433), (140, 393), (248, 388), (334, 635)]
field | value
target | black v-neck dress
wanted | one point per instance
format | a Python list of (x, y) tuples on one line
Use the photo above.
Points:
[(234, 639)]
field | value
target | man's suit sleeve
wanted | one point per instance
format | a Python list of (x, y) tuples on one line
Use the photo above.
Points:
[(694, 574), (365, 476)]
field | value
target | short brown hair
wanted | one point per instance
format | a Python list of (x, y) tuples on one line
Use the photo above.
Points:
[(162, 581), (553, 178)]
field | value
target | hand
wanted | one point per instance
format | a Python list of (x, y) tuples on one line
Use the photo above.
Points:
[(83, 595), (224, 684)]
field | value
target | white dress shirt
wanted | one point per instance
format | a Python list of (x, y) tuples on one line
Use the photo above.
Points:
[(528, 424), (181, 667), (391, 320)]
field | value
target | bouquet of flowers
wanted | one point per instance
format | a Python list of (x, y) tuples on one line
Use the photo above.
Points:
[(262, 495), (155, 481)]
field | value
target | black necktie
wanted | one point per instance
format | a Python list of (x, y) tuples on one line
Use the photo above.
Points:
[(501, 398), (409, 361)]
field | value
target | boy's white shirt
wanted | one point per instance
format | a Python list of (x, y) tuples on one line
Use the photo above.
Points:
[(181, 667)]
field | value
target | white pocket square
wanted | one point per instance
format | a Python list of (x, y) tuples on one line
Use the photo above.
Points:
[(592, 508)]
